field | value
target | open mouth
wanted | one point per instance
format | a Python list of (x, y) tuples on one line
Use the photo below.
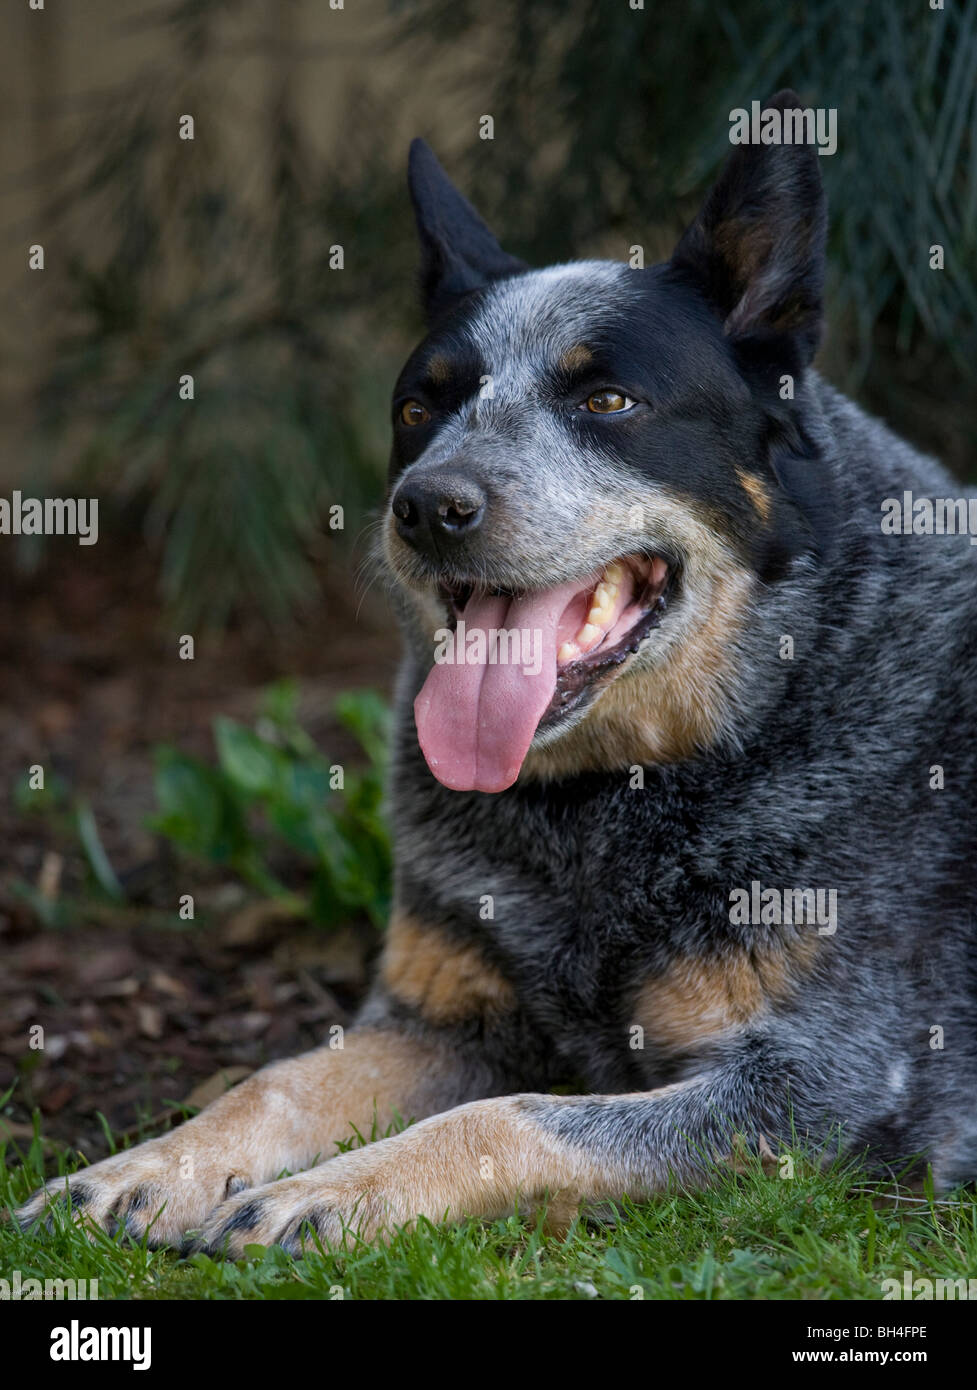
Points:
[(522, 662), (628, 602)]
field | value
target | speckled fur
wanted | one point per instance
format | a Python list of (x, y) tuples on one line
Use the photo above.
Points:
[(577, 925)]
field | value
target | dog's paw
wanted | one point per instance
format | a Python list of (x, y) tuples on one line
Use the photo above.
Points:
[(163, 1187), (357, 1196), (481, 1160)]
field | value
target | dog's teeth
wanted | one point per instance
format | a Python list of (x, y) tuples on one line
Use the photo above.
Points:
[(603, 603)]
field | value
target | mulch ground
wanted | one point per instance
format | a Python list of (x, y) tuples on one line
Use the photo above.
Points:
[(137, 1013), (135, 1018)]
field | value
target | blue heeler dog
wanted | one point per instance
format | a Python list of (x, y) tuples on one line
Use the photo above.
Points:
[(666, 682)]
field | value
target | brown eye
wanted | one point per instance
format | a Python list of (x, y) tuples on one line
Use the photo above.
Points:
[(413, 413), (608, 402)]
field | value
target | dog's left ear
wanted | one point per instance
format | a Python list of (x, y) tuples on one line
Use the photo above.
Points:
[(757, 248), (458, 252)]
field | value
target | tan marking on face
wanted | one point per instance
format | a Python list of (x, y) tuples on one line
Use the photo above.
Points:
[(439, 370), (702, 999), (574, 358), (757, 493), (446, 980), (679, 700), (675, 699)]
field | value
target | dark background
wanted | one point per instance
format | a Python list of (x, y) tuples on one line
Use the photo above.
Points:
[(211, 256)]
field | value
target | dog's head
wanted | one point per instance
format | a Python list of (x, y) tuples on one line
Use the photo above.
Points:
[(595, 467)]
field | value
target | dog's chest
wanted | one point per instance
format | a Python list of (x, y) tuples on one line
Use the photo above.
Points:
[(575, 902)]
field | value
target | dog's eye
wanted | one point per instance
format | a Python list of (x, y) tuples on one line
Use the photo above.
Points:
[(608, 402), (413, 413)]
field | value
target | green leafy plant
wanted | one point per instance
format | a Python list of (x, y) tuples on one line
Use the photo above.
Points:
[(274, 806)]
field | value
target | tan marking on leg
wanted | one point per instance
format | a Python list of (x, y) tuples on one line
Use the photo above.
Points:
[(701, 999), (478, 1160), (757, 493), (574, 358), (439, 370), (285, 1116), (444, 979)]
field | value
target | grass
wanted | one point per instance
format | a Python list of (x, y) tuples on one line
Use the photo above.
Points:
[(820, 1235)]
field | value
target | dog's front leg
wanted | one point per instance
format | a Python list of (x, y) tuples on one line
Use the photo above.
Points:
[(485, 1158), (284, 1117), (438, 1031)]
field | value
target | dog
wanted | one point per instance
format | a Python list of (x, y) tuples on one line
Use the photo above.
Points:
[(668, 689)]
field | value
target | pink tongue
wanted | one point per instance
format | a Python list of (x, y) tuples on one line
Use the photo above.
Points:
[(475, 722)]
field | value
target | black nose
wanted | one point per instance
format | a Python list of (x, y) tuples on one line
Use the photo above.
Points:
[(436, 510)]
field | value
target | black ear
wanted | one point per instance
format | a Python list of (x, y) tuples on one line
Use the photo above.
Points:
[(757, 248), (458, 252)]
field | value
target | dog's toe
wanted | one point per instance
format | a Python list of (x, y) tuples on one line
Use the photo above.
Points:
[(58, 1195), (301, 1214), (233, 1225), (147, 1193)]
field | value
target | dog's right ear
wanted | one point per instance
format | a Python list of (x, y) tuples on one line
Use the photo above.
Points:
[(458, 252), (757, 248)]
